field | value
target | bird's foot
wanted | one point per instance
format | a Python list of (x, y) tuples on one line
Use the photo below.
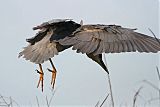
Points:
[(53, 76), (40, 79)]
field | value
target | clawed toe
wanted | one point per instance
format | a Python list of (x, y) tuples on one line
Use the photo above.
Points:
[(41, 74), (49, 70)]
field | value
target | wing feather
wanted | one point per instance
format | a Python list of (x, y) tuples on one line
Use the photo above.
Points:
[(99, 49), (139, 46), (154, 43), (120, 47), (133, 46), (40, 51), (80, 45), (75, 46), (130, 48), (110, 39), (144, 47), (83, 47), (107, 47), (111, 47), (148, 46), (90, 47), (125, 47), (116, 47)]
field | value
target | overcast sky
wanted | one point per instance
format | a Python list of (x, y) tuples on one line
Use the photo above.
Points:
[(80, 81)]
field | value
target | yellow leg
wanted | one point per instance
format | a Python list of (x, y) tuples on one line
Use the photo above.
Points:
[(54, 71), (40, 77)]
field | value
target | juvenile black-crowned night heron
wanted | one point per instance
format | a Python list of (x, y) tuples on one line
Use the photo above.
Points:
[(93, 40)]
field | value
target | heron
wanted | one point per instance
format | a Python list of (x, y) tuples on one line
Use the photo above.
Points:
[(58, 35)]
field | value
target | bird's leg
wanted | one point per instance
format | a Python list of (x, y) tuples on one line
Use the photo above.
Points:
[(54, 71), (40, 77)]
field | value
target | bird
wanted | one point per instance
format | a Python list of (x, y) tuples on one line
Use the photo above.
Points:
[(93, 40), (42, 47)]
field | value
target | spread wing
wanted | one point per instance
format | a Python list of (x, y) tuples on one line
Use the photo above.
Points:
[(40, 51), (98, 39), (55, 24), (44, 44)]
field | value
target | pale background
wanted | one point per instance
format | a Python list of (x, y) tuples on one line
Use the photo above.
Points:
[(80, 81)]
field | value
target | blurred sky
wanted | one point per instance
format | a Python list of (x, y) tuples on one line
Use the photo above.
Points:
[(80, 81)]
